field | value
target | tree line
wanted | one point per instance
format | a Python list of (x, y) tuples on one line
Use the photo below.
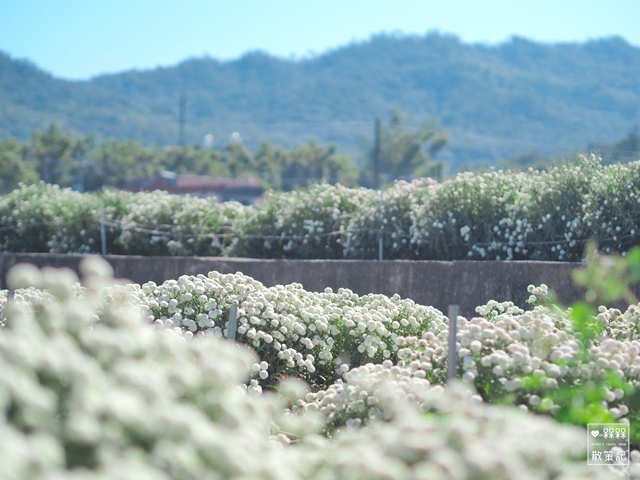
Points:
[(624, 150), (496, 100), (81, 162)]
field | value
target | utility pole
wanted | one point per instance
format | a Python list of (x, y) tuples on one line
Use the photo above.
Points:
[(376, 184), (181, 120), (376, 154)]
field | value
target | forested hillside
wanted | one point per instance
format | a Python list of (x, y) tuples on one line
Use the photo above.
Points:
[(494, 101)]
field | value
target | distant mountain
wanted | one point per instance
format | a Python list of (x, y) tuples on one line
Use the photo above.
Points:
[(495, 101)]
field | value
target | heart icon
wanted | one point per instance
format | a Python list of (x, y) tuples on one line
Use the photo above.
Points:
[(595, 433)]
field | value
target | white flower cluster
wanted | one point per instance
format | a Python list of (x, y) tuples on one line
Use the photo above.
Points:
[(534, 215), (495, 353), (494, 308), (307, 223), (368, 393), (537, 295), (120, 399), (621, 325), (389, 217), (494, 215), (417, 431), (320, 336), (158, 223), (47, 218), (90, 389), (296, 332)]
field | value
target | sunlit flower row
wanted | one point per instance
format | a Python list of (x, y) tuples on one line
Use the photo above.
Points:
[(91, 388), (320, 336), (316, 336)]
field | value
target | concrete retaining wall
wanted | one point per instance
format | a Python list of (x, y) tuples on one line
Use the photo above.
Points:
[(465, 283)]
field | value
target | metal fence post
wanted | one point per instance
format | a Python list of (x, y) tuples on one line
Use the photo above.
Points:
[(233, 322), (9, 305), (381, 232), (453, 332), (103, 231)]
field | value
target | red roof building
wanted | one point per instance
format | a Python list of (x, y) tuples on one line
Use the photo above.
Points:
[(245, 191)]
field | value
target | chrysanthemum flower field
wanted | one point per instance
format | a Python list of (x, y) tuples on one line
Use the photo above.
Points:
[(100, 379), (493, 215)]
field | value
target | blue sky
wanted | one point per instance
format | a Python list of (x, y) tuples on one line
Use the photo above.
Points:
[(78, 39)]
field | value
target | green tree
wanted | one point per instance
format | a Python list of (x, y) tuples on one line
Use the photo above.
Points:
[(13, 168), (625, 150), (83, 164), (52, 153), (239, 160), (400, 152), (311, 163), (194, 160), (532, 159), (117, 163), (304, 165), (269, 161)]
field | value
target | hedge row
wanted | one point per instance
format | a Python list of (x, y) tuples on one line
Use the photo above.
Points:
[(494, 215)]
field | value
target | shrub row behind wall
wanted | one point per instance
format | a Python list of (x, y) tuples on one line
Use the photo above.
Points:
[(494, 215)]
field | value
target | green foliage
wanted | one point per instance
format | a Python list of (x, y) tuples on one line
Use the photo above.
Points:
[(52, 152), (306, 223), (388, 216), (44, 218), (162, 224), (626, 149), (468, 216), (403, 153), (495, 215), (117, 163), (13, 169), (606, 279), (80, 162)]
